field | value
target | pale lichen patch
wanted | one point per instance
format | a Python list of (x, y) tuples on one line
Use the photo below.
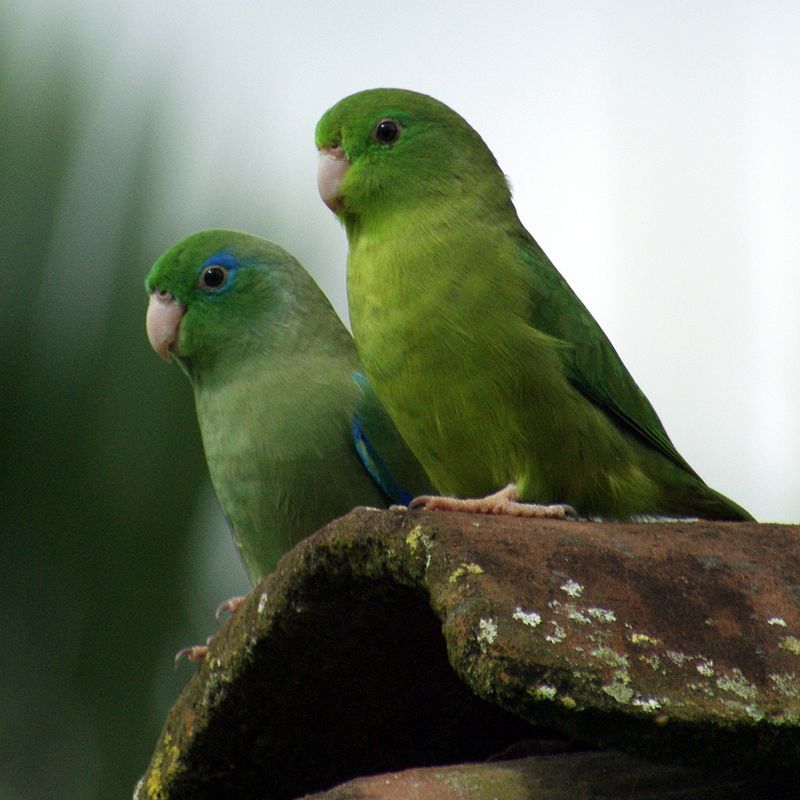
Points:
[(530, 618), (787, 684), (788, 718), (654, 662), (648, 704), (749, 710), (790, 643), (611, 657), (558, 635), (417, 538), (154, 785), (572, 588), (619, 687), (599, 636), (619, 691), (487, 632), (705, 667), (643, 640), (578, 616), (465, 569), (602, 614), (544, 691), (155, 780), (262, 602), (737, 684), (700, 687), (677, 657)]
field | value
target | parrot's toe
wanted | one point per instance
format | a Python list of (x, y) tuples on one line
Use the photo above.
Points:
[(229, 606), (194, 652), (502, 502)]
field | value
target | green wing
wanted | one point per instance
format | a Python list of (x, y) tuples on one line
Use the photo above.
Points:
[(590, 361)]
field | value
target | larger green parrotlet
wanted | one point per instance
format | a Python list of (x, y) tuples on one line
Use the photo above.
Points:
[(292, 432), (494, 371)]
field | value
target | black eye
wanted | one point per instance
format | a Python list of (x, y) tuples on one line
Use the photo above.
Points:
[(213, 277), (387, 131)]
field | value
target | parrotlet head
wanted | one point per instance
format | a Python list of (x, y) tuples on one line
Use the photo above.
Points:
[(382, 149), (220, 295)]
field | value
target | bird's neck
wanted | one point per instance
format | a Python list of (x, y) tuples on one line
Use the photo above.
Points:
[(263, 396)]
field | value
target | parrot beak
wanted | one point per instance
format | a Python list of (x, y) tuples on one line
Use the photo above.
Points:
[(164, 314), (332, 168)]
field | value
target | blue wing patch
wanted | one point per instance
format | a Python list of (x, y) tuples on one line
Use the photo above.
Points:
[(375, 466)]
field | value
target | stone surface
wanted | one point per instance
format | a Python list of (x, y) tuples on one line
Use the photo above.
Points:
[(596, 775), (391, 639)]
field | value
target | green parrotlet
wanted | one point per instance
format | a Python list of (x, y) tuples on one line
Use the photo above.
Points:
[(293, 434), (493, 370)]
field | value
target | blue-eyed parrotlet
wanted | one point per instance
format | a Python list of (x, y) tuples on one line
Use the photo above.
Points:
[(292, 432)]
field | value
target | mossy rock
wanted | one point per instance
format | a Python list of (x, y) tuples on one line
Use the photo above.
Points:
[(391, 640)]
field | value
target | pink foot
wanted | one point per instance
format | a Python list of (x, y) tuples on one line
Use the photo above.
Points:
[(231, 606), (195, 652), (502, 502)]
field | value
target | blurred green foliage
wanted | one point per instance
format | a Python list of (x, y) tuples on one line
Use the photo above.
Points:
[(102, 462)]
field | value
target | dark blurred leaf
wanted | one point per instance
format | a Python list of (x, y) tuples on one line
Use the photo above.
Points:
[(102, 463)]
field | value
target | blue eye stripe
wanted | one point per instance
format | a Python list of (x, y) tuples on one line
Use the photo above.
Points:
[(223, 258), (227, 261)]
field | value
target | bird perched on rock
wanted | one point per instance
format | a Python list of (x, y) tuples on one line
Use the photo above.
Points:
[(292, 432), (495, 373)]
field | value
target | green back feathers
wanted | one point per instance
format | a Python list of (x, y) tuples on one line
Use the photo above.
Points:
[(590, 361)]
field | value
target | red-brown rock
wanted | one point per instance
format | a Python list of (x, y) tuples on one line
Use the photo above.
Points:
[(598, 775), (390, 640)]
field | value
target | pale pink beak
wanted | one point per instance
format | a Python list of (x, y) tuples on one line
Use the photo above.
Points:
[(331, 169), (164, 315)]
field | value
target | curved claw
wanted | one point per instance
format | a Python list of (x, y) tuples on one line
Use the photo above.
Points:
[(568, 512), (194, 652), (231, 606), (423, 501)]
